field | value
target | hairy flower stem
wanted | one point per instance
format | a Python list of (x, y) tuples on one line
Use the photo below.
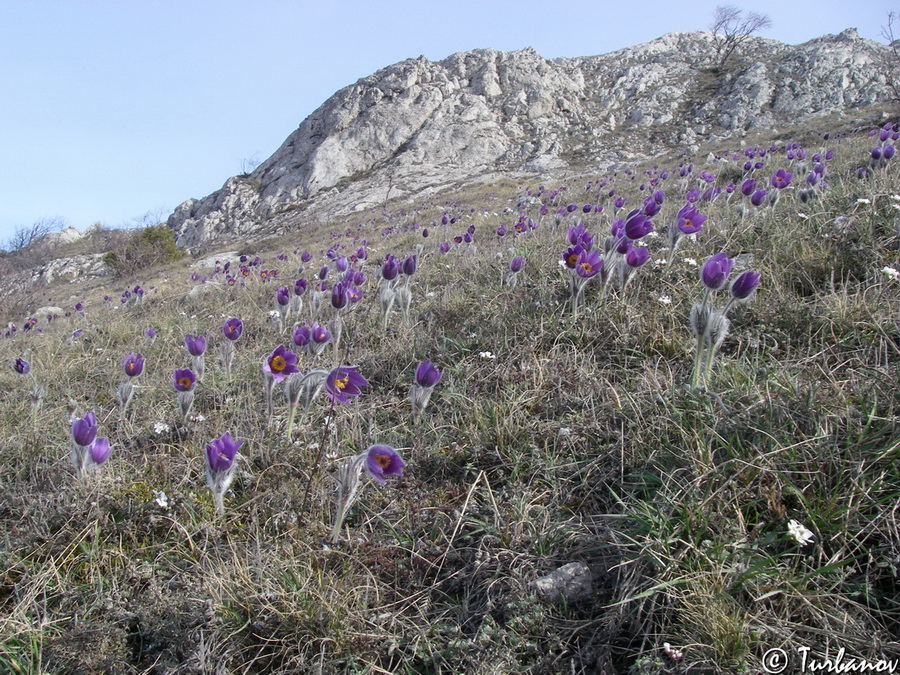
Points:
[(701, 338)]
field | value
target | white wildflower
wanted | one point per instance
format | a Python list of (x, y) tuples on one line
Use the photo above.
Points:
[(430, 294), (487, 355), (671, 652), (803, 216), (564, 432), (160, 428), (799, 532), (690, 261), (896, 198), (665, 299), (198, 418), (863, 200), (659, 262), (162, 501), (890, 272)]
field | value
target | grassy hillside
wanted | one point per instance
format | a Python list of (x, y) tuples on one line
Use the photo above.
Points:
[(552, 437)]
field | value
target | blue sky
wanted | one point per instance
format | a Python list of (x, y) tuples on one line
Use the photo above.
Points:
[(114, 108)]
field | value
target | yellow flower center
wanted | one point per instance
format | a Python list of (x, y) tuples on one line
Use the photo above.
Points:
[(384, 461), (587, 267), (573, 259), (341, 382), (184, 382), (278, 363)]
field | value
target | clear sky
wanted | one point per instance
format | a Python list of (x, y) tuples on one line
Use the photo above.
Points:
[(110, 109)]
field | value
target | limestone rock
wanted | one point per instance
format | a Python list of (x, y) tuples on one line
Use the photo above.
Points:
[(570, 582), (418, 125)]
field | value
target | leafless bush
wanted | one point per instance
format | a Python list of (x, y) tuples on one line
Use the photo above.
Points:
[(731, 28)]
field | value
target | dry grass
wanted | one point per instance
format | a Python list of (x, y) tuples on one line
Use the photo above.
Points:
[(576, 442)]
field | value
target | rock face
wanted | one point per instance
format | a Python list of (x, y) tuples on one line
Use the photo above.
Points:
[(419, 125)]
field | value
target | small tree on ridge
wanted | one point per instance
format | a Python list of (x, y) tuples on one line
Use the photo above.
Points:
[(731, 28)]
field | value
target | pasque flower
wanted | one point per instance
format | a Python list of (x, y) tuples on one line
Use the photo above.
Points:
[(22, 366), (383, 460), (232, 329), (220, 465), (342, 383), (427, 375), (196, 345), (715, 271), (183, 379), (84, 429), (133, 365), (280, 363), (745, 284), (99, 451)]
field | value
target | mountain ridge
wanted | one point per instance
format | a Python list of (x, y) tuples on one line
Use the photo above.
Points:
[(418, 125)]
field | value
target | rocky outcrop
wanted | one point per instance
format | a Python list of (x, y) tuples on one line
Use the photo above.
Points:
[(420, 125)]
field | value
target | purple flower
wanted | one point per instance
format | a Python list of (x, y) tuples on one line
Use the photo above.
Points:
[(300, 287), (232, 329), (84, 430), (427, 375), (516, 264), (716, 270), (342, 383), (579, 236), (183, 379), (638, 226), (280, 363), (782, 179), (589, 264), (151, 334), (99, 450), (301, 336), (283, 296), (22, 366), (637, 256), (339, 295), (196, 345), (745, 284), (758, 197), (390, 268), (888, 151), (409, 265), (133, 365), (221, 452), (319, 334), (689, 220), (570, 256), (305, 257), (341, 264), (383, 460), (444, 247)]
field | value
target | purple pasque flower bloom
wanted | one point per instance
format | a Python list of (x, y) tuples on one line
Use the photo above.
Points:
[(300, 286), (758, 197), (305, 257), (282, 296), (692, 196), (390, 268), (280, 363), (342, 383), (638, 226), (579, 236), (99, 450), (319, 334), (570, 256), (516, 264), (196, 345), (782, 178), (689, 220), (150, 333), (444, 247), (409, 265), (341, 264), (339, 295), (637, 256), (133, 365), (301, 336), (589, 264), (84, 429), (748, 187), (232, 329), (221, 452), (745, 284), (383, 460), (22, 366), (716, 270), (427, 375), (183, 379)]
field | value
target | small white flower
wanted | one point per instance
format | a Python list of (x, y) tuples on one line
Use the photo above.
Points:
[(896, 198), (690, 261), (671, 652), (863, 200), (160, 428), (162, 501), (473, 335), (895, 206), (803, 216), (564, 432), (659, 262), (652, 234), (430, 294), (198, 418), (561, 263), (665, 299), (487, 355), (890, 272), (799, 532)]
